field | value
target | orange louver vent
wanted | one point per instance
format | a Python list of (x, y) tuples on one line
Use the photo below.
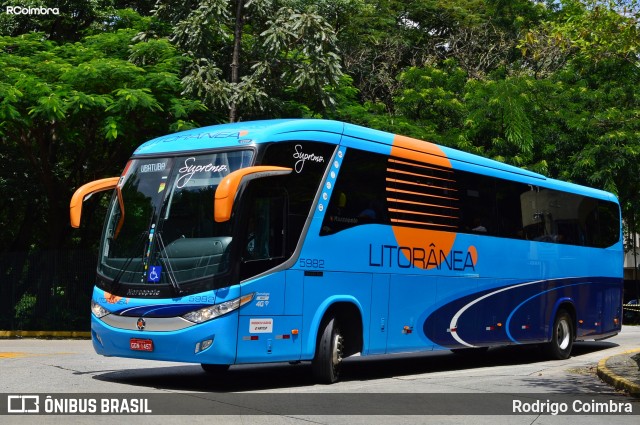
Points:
[(422, 195)]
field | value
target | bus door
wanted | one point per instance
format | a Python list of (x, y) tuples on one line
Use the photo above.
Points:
[(264, 230), (264, 331)]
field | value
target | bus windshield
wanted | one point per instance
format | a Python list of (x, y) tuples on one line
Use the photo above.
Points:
[(160, 226)]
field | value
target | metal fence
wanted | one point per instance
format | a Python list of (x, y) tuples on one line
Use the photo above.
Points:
[(46, 290)]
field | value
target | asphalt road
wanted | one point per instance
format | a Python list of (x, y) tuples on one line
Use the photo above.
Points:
[(70, 366)]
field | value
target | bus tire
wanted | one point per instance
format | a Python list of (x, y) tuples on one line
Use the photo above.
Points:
[(215, 369), (327, 362), (559, 348)]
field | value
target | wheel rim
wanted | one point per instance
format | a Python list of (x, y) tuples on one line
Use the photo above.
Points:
[(336, 356), (563, 335)]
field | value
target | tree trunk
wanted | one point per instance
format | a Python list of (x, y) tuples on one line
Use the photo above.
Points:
[(235, 62)]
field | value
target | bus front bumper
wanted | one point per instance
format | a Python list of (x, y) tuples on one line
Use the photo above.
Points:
[(212, 342)]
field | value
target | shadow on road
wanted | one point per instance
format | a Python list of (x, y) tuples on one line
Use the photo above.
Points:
[(283, 375)]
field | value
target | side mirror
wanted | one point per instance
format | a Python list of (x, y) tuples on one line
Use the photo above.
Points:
[(228, 187), (84, 192)]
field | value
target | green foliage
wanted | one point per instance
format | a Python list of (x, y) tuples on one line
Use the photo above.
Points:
[(550, 86), (73, 112), (24, 310), (254, 58), (599, 98)]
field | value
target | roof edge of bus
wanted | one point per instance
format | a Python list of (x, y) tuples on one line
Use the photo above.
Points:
[(236, 134), (365, 133), (386, 138), (248, 132)]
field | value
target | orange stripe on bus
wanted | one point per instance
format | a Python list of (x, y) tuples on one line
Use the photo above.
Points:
[(421, 223), (424, 176), (420, 194), (403, 201), (419, 151), (389, 179), (442, 240), (413, 164), (421, 213)]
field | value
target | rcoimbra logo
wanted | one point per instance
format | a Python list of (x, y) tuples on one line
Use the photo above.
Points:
[(19, 10)]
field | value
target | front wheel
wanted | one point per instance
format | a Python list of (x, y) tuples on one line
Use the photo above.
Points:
[(559, 348), (327, 363)]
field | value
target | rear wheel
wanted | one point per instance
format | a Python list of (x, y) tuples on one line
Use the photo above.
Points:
[(329, 353), (559, 348), (215, 369)]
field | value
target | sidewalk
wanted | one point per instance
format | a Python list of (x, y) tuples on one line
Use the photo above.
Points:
[(622, 371)]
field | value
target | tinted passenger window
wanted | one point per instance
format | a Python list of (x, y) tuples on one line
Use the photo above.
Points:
[(510, 206), (478, 201), (373, 188), (309, 161), (359, 194), (567, 218)]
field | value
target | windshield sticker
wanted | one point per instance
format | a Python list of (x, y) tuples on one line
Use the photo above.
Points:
[(153, 168), (162, 186), (190, 169), (303, 157)]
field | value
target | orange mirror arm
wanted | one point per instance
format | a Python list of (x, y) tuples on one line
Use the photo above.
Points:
[(83, 192), (228, 187)]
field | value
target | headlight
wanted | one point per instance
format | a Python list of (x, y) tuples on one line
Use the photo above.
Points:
[(211, 312), (98, 310)]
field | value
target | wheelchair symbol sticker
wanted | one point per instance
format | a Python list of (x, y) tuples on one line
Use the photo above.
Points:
[(154, 274)]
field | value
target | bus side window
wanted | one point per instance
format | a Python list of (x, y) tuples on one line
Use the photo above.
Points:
[(264, 231), (509, 204), (478, 204), (265, 228), (359, 195)]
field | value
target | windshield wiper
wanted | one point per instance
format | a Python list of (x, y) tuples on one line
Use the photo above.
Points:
[(165, 259)]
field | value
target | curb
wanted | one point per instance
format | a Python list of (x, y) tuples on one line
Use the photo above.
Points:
[(617, 381), (45, 334)]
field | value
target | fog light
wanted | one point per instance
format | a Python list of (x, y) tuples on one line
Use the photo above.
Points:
[(206, 344), (203, 345)]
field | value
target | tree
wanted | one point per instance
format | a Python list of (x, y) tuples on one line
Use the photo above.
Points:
[(590, 50), (384, 38), (71, 113), (253, 58)]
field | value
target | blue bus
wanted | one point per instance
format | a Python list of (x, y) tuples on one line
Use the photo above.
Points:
[(313, 240)]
